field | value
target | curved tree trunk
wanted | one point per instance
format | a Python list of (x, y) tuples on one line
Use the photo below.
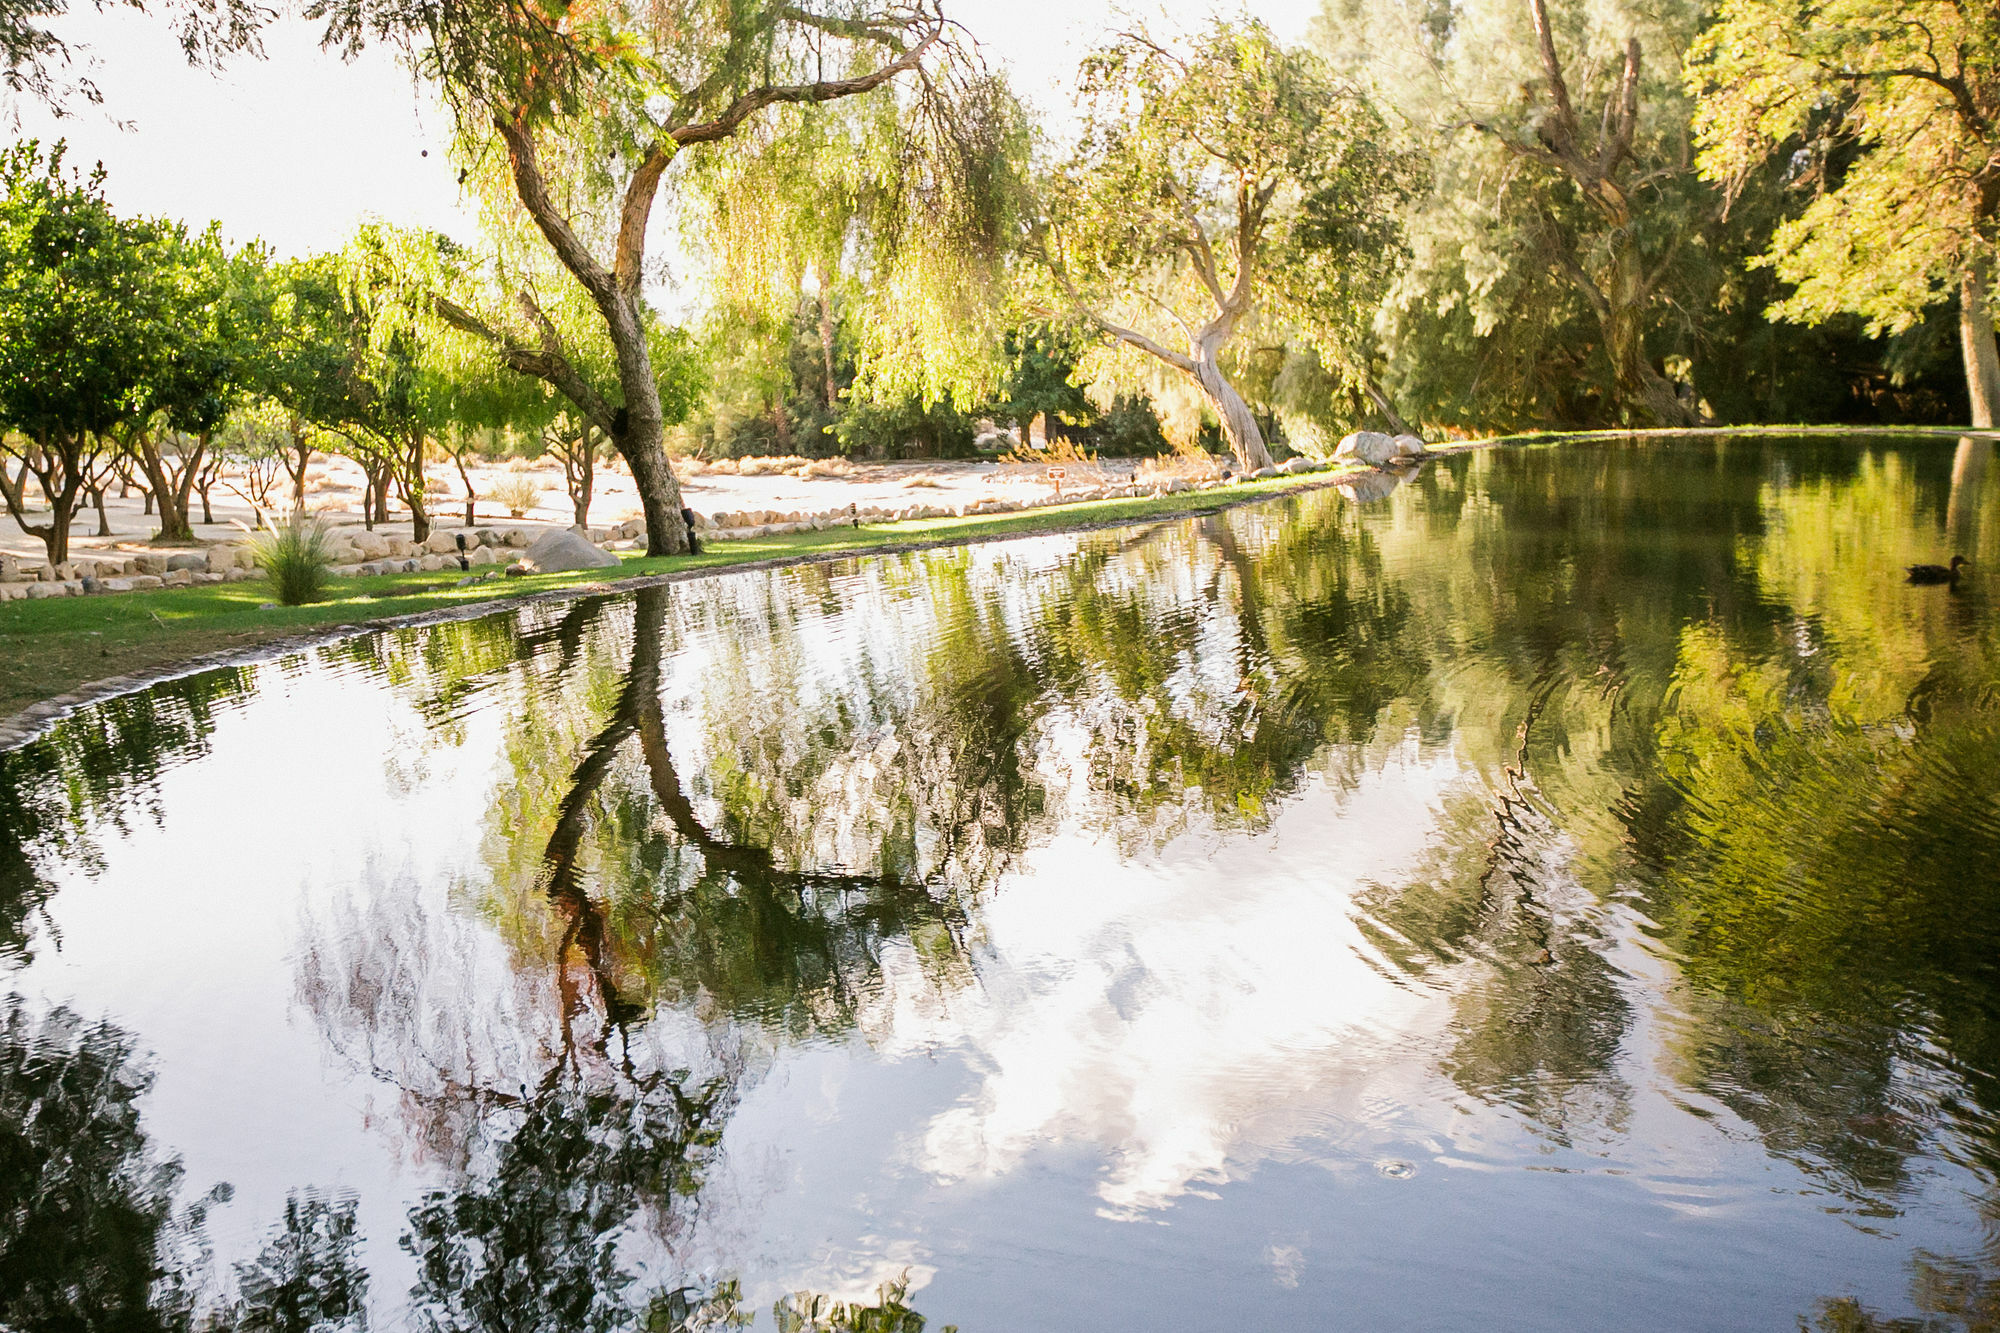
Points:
[(1239, 423), (1982, 359)]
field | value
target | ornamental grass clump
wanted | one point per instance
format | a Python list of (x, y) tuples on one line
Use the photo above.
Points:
[(296, 558), (517, 495)]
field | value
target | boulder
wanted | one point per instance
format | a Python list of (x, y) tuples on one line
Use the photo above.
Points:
[(519, 539), (1378, 450), (150, 563), (441, 543), (1263, 472), (187, 561), (203, 577), (10, 569), (13, 592), (177, 578), (222, 559), (240, 575), (483, 555), (562, 549), (489, 538), (1297, 465)]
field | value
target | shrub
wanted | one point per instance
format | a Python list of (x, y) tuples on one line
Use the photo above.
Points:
[(296, 558), (517, 493)]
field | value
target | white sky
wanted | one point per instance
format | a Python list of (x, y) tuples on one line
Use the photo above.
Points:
[(298, 147)]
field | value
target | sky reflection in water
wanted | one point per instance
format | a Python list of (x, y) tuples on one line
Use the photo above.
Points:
[(1557, 893)]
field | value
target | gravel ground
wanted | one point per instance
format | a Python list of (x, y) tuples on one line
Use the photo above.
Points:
[(335, 491)]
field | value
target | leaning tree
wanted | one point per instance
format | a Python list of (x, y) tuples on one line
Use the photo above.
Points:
[(1190, 204), (588, 108)]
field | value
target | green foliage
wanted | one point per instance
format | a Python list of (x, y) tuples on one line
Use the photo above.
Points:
[(1226, 184), (1890, 227), (296, 558)]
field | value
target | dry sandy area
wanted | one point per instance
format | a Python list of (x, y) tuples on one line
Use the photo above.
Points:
[(334, 491)]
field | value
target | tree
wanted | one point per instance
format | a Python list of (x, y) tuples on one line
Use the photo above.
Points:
[(406, 390), (79, 309), (212, 307), (1197, 172), (590, 111), (308, 363), (1894, 119), (1550, 257)]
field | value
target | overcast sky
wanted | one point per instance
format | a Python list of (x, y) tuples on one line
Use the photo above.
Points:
[(298, 147)]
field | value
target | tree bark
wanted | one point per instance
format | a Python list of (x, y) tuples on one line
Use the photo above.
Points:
[(1982, 358), (1239, 423), (1387, 407), (64, 472), (826, 342), (170, 489)]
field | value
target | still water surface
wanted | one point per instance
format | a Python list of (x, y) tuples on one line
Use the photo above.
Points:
[(1561, 893)]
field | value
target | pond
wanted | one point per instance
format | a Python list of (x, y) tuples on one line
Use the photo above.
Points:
[(1561, 891)]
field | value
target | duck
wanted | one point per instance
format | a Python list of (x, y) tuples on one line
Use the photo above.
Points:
[(1938, 573)]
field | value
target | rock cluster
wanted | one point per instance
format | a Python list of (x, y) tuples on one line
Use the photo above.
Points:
[(1378, 450)]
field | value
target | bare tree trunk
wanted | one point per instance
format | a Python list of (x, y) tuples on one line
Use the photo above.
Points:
[(826, 342), (1982, 359), (1239, 423), (103, 518), (781, 423), (471, 499), (579, 475), (168, 490), (1386, 407), (295, 465)]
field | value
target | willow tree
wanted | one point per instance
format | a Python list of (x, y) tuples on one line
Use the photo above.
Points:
[(1555, 257), (1913, 97), (591, 106), (1167, 229)]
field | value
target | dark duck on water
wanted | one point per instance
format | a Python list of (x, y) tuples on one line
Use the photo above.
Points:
[(1938, 573)]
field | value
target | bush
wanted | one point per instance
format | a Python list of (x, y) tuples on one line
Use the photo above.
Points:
[(518, 494), (296, 558)]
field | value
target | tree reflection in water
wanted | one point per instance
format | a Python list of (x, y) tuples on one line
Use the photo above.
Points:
[(1725, 815)]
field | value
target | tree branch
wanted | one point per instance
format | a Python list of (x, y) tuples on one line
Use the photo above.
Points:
[(546, 363)]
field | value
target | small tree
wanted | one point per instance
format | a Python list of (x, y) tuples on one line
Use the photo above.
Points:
[(309, 361), (213, 306), (1183, 204), (78, 312)]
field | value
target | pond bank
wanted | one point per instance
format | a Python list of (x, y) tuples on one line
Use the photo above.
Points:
[(59, 654)]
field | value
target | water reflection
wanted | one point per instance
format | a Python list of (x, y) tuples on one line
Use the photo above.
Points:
[(1611, 808)]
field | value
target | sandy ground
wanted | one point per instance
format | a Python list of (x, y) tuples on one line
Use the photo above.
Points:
[(334, 491)]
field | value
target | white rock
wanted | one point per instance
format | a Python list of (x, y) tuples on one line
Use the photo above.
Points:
[(484, 556), (1376, 449), (560, 549)]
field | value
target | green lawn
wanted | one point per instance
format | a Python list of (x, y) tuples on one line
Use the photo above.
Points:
[(59, 644)]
